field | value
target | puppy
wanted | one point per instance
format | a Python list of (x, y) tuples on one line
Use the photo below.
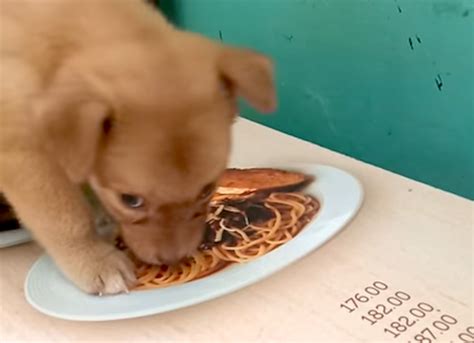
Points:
[(110, 94)]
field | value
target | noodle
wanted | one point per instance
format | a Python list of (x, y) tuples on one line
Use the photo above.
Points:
[(236, 238)]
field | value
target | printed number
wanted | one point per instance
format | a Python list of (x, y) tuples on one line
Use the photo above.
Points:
[(399, 327), (428, 332), (441, 325), (383, 309), (395, 334), (351, 304), (380, 285), (394, 301), (402, 295), (468, 336), (375, 314), (417, 313), (451, 320), (361, 298), (372, 290), (425, 307), (407, 321), (422, 339), (372, 322), (351, 309)]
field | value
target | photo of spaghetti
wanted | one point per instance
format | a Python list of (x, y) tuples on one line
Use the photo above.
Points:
[(243, 224)]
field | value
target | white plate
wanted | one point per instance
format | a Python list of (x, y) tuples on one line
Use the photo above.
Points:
[(50, 292), (14, 237)]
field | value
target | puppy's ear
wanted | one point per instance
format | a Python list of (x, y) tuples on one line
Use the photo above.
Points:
[(72, 122), (250, 75)]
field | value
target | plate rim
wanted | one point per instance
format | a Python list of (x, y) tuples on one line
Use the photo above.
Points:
[(18, 236)]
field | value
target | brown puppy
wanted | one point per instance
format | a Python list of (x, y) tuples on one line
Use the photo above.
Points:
[(108, 92)]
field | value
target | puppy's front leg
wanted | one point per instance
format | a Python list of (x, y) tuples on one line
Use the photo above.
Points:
[(55, 211)]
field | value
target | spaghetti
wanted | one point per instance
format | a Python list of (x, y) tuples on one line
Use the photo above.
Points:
[(237, 232)]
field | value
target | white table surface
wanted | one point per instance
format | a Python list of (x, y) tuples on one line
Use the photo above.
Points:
[(413, 237)]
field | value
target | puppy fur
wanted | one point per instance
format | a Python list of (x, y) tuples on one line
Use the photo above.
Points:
[(109, 93)]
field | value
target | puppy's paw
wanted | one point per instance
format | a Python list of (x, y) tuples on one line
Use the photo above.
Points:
[(102, 270)]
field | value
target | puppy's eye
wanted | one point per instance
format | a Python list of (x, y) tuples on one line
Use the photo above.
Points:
[(132, 201), (207, 190), (107, 125), (225, 87)]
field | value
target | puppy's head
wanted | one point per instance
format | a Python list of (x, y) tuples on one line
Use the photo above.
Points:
[(150, 129)]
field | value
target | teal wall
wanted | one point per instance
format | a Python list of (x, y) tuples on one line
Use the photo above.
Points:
[(389, 82)]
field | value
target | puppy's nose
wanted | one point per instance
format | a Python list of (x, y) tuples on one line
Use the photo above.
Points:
[(174, 253), (170, 257)]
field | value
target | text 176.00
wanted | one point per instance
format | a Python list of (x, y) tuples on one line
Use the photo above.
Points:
[(364, 296)]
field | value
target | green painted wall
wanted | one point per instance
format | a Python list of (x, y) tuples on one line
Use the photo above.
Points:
[(390, 82)]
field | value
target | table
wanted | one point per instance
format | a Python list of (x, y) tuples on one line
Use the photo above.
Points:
[(413, 238)]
